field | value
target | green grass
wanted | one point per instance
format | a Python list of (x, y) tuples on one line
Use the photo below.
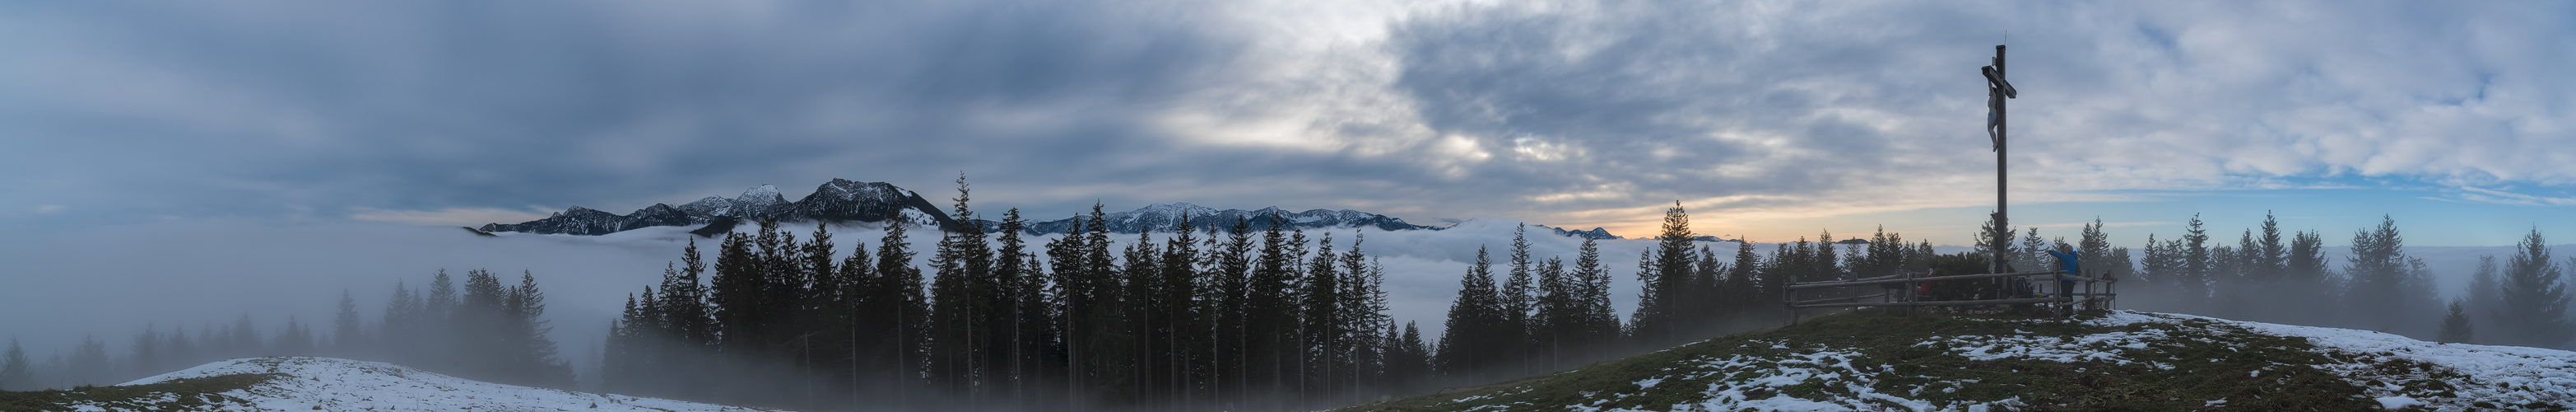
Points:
[(1889, 355), (175, 395)]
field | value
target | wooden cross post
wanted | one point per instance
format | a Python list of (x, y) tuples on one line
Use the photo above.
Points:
[(1996, 91)]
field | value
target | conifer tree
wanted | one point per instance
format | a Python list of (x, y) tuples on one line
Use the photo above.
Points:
[(684, 301), (2093, 249), (897, 307), (2486, 292), (1023, 302), (1321, 321), (1364, 308), (2535, 296), (89, 362), (2455, 325), (962, 294), (1665, 276), (2033, 255), (347, 336), (734, 295), (1467, 341), (147, 353), (436, 320), (15, 372), (1228, 294), (2270, 257), (1411, 359), (532, 356), (1702, 300), (399, 331), (1745, 286), (1270, 317), (1599, 321), (1513, 335), (2196, 261), (1178, 329), (2379, 270), (1556, 320), (816, 293)]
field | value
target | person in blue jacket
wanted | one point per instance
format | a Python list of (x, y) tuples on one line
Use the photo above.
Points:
[(2066, 261)]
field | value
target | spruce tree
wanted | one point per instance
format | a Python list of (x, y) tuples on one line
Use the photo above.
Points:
[(1411, 361), (2379, 269), (1023, 303), (1363, 300), (147, 353), (684, 301), (2193, 274), (346, 336), (1665, 276), (1178, 320), (1599, 322), (1744, 285), (2093, 249), (1556, 319), (1513, 335), (532, 356), (15, 372), (2270, 257), (2535, 296), (1268, 311), (2455, 325), (89, 362), (899, 310), (1467, 342), (438, 339), (1321, 321), (735, 293), (2486, 292)]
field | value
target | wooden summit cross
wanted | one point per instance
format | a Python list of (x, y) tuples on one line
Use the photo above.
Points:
[(1996, 91), (1899, 289)]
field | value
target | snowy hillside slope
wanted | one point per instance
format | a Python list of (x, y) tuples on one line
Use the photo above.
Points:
[(2124, 360), (308, 383)]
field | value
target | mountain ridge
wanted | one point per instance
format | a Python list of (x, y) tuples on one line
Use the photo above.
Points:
[(842, 200)]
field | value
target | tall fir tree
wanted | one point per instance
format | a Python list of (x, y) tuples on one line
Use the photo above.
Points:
[(2379, 269), (2455, 324), (16, 374), (348, 332), (2535, 297), (1599, 321), (1467, 342), (1665, 276), (1513, 334), (2486, 292)]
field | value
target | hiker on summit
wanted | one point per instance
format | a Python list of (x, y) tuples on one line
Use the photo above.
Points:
[(2066, 261)]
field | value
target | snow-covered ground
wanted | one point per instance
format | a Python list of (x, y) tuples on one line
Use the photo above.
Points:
[(347, 385), (2382, 364)]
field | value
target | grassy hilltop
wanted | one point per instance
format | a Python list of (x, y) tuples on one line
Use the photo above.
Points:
[(2117, 361)]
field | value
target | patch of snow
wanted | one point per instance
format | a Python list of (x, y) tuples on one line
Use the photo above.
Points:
[(2398, 402), (340, 384)]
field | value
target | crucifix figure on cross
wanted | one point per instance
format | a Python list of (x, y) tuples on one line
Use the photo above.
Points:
[(1996, 91)]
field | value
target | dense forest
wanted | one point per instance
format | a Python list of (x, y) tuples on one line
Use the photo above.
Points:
[(1211, 315)]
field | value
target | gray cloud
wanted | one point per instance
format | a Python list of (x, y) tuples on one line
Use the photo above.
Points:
[(1577, 113)]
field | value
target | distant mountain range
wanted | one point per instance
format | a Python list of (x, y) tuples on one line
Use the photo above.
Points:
[(848, 201), (837, 201)]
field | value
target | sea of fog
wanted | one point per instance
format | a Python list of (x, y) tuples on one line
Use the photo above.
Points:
[(111, 283)]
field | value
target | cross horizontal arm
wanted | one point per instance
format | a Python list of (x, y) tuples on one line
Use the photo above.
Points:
[(1998, 82)]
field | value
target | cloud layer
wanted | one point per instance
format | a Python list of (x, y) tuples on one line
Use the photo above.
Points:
[(1575, 113)]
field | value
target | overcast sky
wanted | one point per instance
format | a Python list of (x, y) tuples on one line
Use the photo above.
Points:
[(1770, 119), (152, 153)]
